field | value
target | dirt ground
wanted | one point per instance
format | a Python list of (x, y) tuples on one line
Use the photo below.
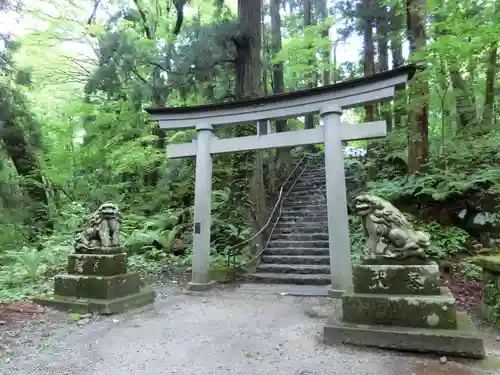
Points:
[(227, 331)]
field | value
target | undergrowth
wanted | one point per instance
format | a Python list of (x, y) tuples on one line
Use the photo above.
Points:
[(157, 232)]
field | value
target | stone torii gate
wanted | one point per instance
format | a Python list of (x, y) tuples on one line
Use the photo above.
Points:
[(329, 101)]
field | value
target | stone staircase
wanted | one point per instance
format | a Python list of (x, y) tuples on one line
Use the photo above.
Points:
[(298, 251)]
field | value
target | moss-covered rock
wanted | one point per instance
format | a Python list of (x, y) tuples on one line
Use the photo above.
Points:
[(488, 262), (490, 304)]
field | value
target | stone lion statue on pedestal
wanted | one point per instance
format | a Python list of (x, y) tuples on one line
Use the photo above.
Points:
[(390, 235), (101, 231)]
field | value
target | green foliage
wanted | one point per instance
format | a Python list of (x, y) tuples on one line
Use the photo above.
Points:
[(466, 165), (446, 242), (79, 110), (357, 237), (467, 270), (301, 50)]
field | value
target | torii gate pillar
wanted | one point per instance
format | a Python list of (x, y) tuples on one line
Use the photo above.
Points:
[(336, 200), (202, 211)]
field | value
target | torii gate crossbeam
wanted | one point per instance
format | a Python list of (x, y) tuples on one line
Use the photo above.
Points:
[(329, 101)]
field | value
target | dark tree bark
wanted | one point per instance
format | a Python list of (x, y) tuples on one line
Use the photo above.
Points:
[(491, 78), (278, 75), (368, 48), (419, 89), (382, 23), (278, 81), (248, 48), (308, 21), (466, 110), (322, 10), (248, 84), (396, 32)]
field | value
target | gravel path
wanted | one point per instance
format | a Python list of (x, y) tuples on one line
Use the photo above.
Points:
[(223, 332)]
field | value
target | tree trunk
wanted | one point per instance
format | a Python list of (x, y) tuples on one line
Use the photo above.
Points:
[(368, 50), (248, 84), (283, 154), (308, 21), (248, 49), (489, 92), (466, 110), (491, 78), (334, 62), (396, 30), (418, 117), (278, 75), (382, 22), (322, 8)]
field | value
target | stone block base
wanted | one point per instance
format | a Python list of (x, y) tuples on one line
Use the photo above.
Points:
[(99, 306), (381, 260), (401, 310), (82, 286), (200, 287), (335, 293), (461, 342), (491, 278), (97, 264), (396, 279), (104, 250)]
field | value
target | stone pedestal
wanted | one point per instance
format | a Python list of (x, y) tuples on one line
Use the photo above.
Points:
[(402, 306), (490, 300), (98, 283)]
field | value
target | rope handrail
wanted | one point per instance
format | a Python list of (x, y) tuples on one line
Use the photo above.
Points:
[(279, 203)]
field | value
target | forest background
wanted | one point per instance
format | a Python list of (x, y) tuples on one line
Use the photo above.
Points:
[(75, 76)]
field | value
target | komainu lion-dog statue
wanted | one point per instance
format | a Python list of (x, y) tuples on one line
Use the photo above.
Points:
[(389, 233), (101, 231)]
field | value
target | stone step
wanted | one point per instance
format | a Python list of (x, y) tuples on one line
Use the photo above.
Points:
[(313, 172), (300, 203), (300, 229), (278, 236), (292, 290), (314, 244), (312, 175), (291, 251), (311, 180), (294, 219), (296, 259), (314, 202), (301, 192), (302, 186), (321, 176), (293, 268), (304, 211), (290, 278), (318, 226), (312, 198)]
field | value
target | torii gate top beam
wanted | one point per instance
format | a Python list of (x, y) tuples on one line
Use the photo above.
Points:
[(348, 94)]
